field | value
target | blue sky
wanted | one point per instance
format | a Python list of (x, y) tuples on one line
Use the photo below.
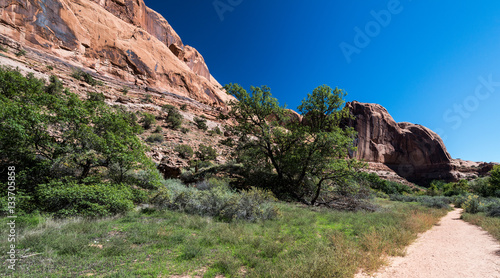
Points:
[(435, 63)]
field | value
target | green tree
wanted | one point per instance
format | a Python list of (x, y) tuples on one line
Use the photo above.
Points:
[(495, 181), (307, 160), (174, 117)]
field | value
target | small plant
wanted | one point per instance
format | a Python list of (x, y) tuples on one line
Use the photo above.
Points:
[(205, 153), (173, 118), (50, 67), (184, 130), (94, 96), (21, 52), (125, 90), (155, 138), (147, 120), (80, 75), (184, 107), (3, 48), (158, 129), (472, 204), (227, 142), (147, 98), (184, 151), (216, 130), (201, 123)]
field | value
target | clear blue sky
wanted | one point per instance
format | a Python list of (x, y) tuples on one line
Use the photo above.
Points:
[(424, 64)]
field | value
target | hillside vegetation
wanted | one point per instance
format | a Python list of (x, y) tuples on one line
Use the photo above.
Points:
[(284, 203)]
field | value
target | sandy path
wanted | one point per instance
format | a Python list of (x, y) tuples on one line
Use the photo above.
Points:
[(452, 248)]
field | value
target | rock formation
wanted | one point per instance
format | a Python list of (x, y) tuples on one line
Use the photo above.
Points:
[(118, 38), (412, 151)]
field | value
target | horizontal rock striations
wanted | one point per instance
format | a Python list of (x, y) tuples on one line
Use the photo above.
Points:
[(117, 38)]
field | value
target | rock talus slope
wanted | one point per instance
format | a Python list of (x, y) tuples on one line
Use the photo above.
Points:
[(118, 38)]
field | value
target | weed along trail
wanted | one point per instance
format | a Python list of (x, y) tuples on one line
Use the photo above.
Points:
[(452, 248)]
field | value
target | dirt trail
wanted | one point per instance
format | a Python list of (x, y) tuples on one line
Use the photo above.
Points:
[(452, 248)]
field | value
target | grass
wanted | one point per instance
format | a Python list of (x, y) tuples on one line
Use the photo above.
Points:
[(490, 224), (303, 242)]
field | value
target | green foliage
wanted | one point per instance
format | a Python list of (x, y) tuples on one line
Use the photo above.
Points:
[(50, 134), (20, 53), (495, 181), (304, 161), (185, 151), (215, 130), (49, 67), (148, 98), (147, 120), (471, 204), (206, 153), (174, 117), (125, 90), (184, 130), (155, 138), (81, 75), (387, 187), (428, 201), (158, 129), (3, 48), (215, 198), (227, 142), (71, 198), (184, 107), (200, 123)]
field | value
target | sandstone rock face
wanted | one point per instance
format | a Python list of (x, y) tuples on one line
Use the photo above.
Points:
[(118, 38), (412, 151)]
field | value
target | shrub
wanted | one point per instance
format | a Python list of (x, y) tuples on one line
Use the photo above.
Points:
[(50, 67), (174, 117), (227, 142), (21, 52), (99, 97), (184, 107), (3, 48), (125, 90), (158, 129), (184, 130), (387, 187), (205, 153), (201, 123), (79, 74), (147, 98), (155, 138), (471, 204), (428, 201), (147, 120), (92, 200), (184, 151), (494, 211), (495, 181), (216, 199)]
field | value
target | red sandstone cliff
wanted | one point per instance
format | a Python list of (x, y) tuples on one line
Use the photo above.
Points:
[(119, 38)]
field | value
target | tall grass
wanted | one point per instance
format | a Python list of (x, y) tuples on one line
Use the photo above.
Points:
[(304, 242), (490, 224)]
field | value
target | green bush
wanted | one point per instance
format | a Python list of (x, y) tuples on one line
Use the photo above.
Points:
[(21, 52), (201, 123), (81, 75), (387, 187), (125, 90), (155, 138), (205, 153), (184, 151), (428, 201), (184, 107), (472, 204), (227, 142), (147, 120), (74, 199), (147, 98), (158, 129), (216, 199), (3, 48), (174, 117)]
